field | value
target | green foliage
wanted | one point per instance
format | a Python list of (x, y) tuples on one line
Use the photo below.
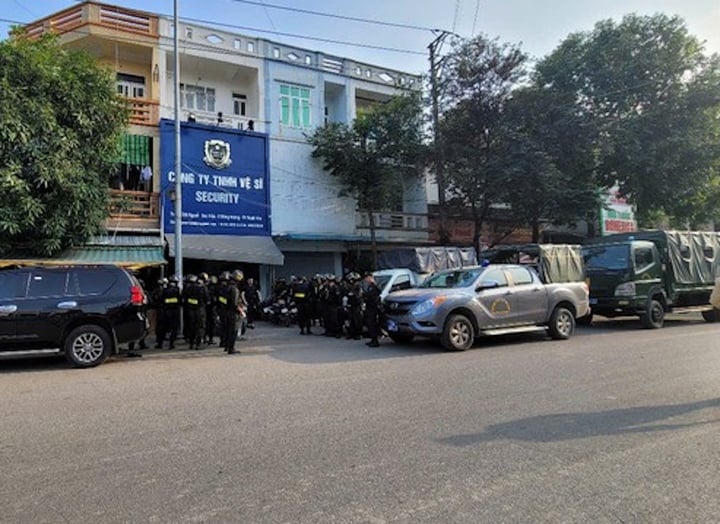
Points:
[(60, 126), (650, 97)]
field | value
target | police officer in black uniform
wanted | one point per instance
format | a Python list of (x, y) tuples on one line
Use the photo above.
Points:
[(228, 310), (169, 313), (371, 295), (355, 307), (194, 300), (211, 309), (301, 293)]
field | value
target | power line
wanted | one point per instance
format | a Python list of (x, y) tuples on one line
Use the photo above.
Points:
[(477, 10), (339, 17)]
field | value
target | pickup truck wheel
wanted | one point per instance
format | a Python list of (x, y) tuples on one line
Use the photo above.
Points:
[(562, 323), (399, 338), (711, 315), (87, 346), (458, 334), (654, 317)]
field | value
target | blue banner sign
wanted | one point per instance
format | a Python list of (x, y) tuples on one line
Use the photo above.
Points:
[(225, 182)]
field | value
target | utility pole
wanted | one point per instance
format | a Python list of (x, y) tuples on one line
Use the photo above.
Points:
[(434, 48), (178, 153)]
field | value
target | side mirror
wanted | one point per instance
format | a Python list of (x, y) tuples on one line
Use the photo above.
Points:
[(488, 284)]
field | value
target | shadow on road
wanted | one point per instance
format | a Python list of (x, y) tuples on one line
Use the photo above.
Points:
[(568, 426)]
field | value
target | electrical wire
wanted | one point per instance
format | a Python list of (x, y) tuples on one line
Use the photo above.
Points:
[(339, 17)]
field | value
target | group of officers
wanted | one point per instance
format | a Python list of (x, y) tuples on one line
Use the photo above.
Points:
[(342, 306), (226, 305), (226, 302)]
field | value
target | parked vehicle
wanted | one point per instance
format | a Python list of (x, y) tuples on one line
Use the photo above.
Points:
[(461, 304), (389, 280), (85, 312), (650, 273)]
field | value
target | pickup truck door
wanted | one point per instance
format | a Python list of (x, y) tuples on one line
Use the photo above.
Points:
[(530, 296), (12, 289), (495, 300)]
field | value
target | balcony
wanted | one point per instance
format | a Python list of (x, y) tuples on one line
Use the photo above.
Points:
[(391, 226), (144, 112), (105, 17), (134, 210)]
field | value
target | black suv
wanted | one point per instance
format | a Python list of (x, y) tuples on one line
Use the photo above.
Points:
[(85, 312)]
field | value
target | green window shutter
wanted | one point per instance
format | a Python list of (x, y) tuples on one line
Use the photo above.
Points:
[(136, 150), (285, 111), (284, 90), (305, 114), (295, 112)]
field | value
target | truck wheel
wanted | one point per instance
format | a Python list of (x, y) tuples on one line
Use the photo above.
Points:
[(458, 334), (87, 346), (562, 323), (711, 315), (401, 338), (654, 317)]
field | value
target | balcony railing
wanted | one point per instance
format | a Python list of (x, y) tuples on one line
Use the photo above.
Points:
[(107, 16), (144, 112), (397, 226), (133, 204)]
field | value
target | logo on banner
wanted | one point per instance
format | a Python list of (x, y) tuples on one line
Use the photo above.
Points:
[(217, 154)]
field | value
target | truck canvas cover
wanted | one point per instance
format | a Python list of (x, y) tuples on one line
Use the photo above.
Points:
[(554, 263), (693, 256), (427, 259)]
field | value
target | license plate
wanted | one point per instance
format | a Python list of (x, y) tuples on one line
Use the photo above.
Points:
[(593, 301), (392, 325)]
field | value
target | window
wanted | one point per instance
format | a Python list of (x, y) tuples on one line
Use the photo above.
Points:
[(276, 52), (12, 285), (494, 276), (95, 281), (251, 47), (237, 43), (188, 33), (197, 97), (239, 104), (308, 60), (47, 284), (643, 258), (402, 282), (295, 106), (131, 86), (520, 276)]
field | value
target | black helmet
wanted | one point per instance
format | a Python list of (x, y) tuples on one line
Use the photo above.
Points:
[(192, 278), (238, 275), (224, 276), (203, 276), (173, 279)]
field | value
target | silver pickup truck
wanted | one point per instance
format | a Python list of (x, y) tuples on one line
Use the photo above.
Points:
[(458, 305)]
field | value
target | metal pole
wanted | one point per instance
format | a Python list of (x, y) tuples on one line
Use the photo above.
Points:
[(434, 46), (178, 152)]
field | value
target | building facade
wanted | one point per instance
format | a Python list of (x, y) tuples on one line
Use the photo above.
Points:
[(253, 95)]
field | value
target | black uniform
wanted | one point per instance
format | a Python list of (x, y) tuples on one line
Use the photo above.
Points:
[(169, 315), (228, 304), (355, 302), (331, 303), (302, 293), (211, 313), (372, 312), (195, 299)]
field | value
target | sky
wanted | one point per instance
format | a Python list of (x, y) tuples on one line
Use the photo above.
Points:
[(537, 26)]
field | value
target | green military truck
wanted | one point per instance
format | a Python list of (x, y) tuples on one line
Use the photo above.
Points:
[(651, 273)]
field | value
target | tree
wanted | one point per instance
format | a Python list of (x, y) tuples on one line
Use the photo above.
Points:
[(60, 129), (477, 83), (653, 97), (370, 157)]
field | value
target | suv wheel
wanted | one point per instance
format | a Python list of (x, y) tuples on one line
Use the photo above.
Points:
[(458, 334), (87, 346)]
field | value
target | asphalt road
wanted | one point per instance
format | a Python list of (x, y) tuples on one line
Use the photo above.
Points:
[(618, 424)]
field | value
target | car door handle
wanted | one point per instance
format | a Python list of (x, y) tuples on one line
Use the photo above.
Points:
[(6, 310), (536, 289), (70, 304)]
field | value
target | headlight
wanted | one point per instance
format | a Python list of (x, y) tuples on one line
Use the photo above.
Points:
[(625, 290), (426, 306)]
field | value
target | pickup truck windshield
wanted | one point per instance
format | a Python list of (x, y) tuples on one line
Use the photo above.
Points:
[(382, 280), (614, 257), (453, 278)]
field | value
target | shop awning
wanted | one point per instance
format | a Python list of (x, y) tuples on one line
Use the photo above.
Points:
[(129, 252), (253, 250)]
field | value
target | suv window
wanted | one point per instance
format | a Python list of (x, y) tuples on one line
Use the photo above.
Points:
[(520, 275), (12, 285), (402, 282), (95, 281), (47, 284)]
